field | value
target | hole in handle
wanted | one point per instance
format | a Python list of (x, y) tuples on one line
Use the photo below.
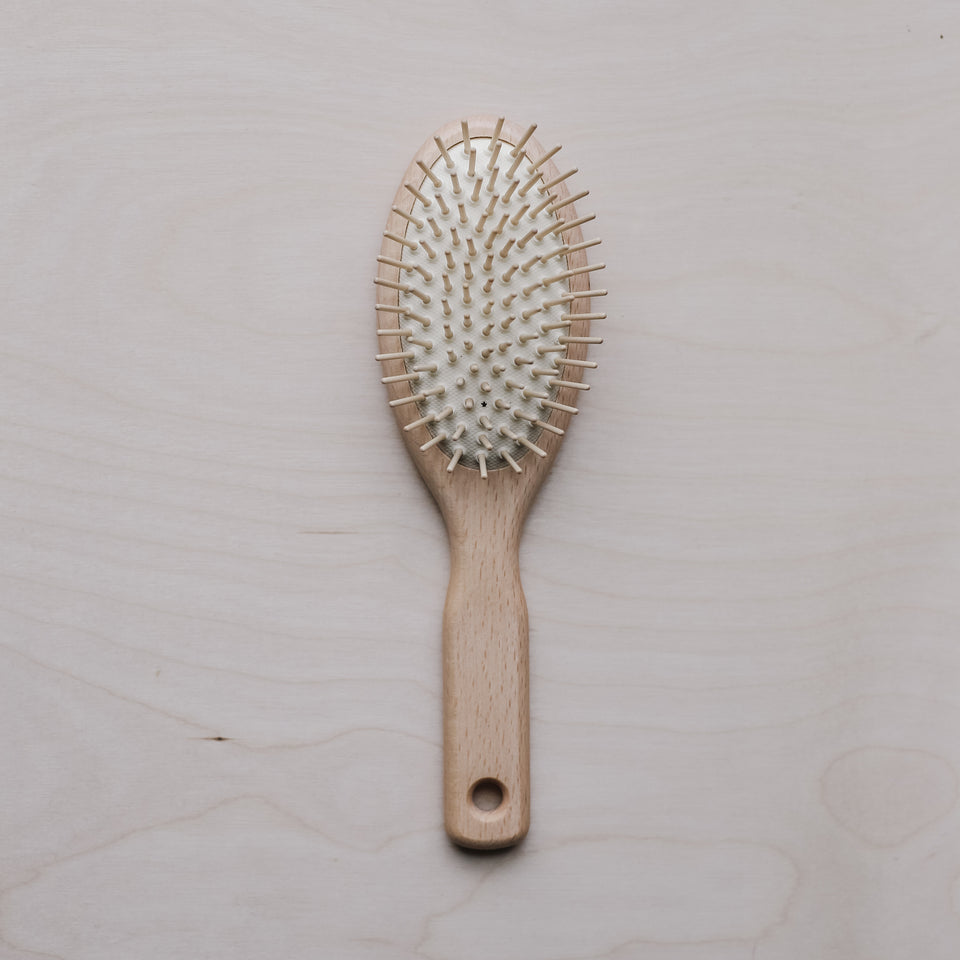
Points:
[(487, 794)]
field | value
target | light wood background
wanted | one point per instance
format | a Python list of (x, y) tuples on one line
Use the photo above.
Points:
[(222, 580)]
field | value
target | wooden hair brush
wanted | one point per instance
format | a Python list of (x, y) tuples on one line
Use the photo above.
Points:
[(483, 324)]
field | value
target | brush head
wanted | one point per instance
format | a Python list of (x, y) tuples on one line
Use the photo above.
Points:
[(483, 313)]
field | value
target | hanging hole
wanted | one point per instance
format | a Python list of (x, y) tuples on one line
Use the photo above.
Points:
[(487, 794)]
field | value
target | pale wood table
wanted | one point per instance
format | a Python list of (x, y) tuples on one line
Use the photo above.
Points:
[(222, 580)]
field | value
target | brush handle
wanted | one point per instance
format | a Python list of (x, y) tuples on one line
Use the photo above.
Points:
[(486, 702)]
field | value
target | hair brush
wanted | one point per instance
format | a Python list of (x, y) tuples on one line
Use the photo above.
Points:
[(483, 323)]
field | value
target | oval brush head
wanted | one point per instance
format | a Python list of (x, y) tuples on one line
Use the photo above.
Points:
[(485, 301), (483, 318)]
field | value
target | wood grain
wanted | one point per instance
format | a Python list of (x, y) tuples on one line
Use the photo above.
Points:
[(741, 574)]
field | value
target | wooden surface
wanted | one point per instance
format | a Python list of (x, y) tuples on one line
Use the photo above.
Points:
[(222, 579)]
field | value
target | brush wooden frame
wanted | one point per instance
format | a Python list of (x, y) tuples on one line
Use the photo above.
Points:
[(486, 712)]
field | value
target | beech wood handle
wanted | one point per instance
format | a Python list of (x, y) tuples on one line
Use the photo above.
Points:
[(486, 704)]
